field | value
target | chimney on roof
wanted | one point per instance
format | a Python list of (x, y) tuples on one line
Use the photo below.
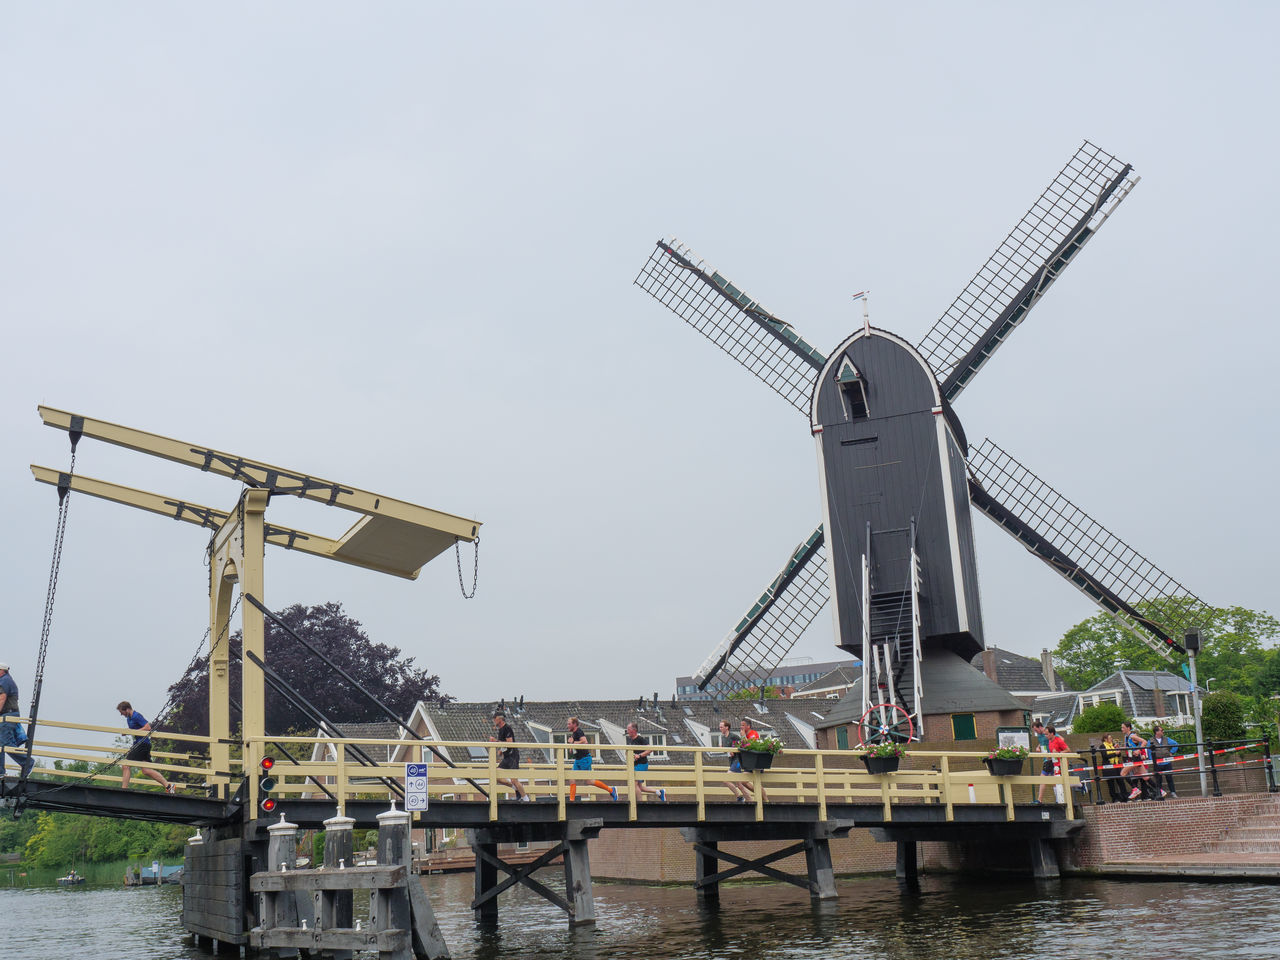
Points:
[(989, 664), (1046, 667), (655, 699), (1159, 698)]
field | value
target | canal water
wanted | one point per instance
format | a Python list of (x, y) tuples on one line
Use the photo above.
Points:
[(944, 917)]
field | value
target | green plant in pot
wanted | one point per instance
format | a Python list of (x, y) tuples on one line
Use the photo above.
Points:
[(1006, 761), (757, 753), (882, 757)]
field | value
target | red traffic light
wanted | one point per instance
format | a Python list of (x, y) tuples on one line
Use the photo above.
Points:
[(268, 804), (267, 763)]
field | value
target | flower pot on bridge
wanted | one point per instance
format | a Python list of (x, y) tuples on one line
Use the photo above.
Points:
[(880, 765), (756, 760), (999, 767)]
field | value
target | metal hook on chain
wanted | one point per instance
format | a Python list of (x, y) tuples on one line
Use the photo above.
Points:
[(475, 573)]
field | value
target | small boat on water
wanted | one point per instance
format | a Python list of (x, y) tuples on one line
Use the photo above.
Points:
[(70, 880), (134, 877)]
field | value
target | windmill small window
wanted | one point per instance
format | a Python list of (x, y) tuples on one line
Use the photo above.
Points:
[(853, 391)]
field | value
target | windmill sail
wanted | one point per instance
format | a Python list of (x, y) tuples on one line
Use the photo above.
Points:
[(1096, 561), (733, 321), (768, 631), (1032, 256)]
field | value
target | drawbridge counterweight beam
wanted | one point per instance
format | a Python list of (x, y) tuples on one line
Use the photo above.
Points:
[(392, 536), (207, 517)]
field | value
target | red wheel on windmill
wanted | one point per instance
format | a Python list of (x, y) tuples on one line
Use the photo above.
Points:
[(885, 723)]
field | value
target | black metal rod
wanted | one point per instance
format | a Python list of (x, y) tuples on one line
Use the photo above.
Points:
[(1268, 765), (289, 756), (1213, 770), (316, 716), (386, 711)]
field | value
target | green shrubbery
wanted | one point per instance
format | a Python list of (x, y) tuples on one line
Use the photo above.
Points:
[(1102, 718)]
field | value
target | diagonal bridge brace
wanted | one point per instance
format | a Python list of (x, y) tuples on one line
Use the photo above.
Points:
[(759, 865), (523, 875)]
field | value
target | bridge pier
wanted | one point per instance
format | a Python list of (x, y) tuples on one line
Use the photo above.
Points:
[(813, 840), (1044, 859), (572, 836), (339, 851), (908, 866), (707, 863)]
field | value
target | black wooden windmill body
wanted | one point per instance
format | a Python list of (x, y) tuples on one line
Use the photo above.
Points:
[(895, 549)]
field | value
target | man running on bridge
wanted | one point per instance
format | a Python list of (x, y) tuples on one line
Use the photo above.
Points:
[(141, 749)]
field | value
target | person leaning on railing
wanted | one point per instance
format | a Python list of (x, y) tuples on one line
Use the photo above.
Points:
[(1160, 747), (10, 732), (1135, 763), (1111, 758)]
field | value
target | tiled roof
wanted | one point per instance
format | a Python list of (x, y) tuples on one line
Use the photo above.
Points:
[(683, 722), (380, 753), (841, 676), (1137, 690), (1016, 672), (1056, 708)]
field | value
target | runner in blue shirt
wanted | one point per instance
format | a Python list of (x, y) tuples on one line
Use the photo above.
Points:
[(141, 749)]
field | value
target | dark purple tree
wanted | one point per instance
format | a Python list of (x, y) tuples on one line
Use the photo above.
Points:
[(379, 668)]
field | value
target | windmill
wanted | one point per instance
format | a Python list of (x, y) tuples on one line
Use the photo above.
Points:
[(894, 552)]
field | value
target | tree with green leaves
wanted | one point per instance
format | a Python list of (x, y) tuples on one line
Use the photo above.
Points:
[(1222, 716), (1239, 648), (770, 692), (1100, 718)]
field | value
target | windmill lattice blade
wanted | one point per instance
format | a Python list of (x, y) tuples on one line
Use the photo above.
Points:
[(1036, 251), (1079, 548), (774, 623), (733, 321)]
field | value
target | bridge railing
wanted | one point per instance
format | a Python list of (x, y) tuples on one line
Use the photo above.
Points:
[(823, 777), (186, 770)]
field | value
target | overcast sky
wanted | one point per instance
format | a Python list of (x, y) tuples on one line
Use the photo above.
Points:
[(394, 244)]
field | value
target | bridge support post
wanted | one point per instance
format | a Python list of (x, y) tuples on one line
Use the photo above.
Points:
[(486, 851), (1044, 859), (706, 866), (908, 866), (388, 910), (337, 910), (577, 873), (822, 874), (282, 847)]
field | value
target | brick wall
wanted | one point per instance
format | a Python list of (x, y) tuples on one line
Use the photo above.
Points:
[(1134, 831)]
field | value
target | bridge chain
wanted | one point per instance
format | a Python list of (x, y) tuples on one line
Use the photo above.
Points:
[(475, 571)]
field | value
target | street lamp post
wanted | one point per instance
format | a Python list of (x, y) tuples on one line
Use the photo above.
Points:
[(1191, 640)]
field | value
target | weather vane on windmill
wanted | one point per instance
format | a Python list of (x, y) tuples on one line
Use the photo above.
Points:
[(894, 552)]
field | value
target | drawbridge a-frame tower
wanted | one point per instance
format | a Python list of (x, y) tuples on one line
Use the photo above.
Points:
[(390, 536)]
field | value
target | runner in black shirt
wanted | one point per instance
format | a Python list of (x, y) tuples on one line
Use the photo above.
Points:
[(582, 760), (641, 758), (510, 759)]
